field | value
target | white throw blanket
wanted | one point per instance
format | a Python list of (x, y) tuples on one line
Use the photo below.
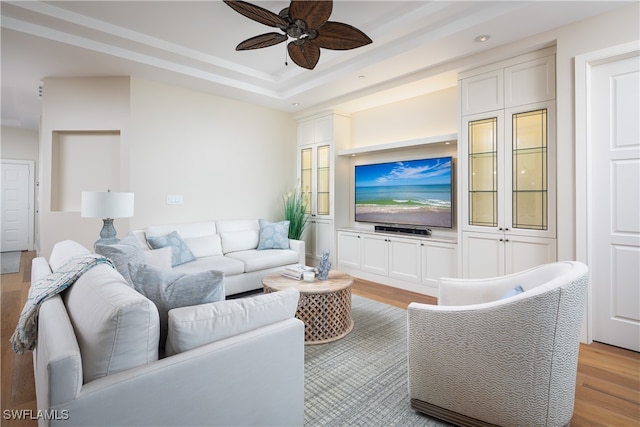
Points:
[(26, 333)]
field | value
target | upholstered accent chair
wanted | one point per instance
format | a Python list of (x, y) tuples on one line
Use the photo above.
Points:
[(492, 354)]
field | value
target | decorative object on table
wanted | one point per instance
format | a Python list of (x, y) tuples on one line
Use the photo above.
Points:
[(324, 266), (297, 271), (106, 205), (307, 23), (295, 211)]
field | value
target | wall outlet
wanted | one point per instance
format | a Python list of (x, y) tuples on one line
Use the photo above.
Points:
[(174, 199)]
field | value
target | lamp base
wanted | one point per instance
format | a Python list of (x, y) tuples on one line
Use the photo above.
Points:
[(107, 234)]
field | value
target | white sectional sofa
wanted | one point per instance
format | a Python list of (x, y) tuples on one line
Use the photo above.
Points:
[(229, 246), (96, 361)]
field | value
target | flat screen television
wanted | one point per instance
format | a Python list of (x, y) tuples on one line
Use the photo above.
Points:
[(412, 192)]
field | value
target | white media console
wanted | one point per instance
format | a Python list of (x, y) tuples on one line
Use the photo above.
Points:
[(406, 261)]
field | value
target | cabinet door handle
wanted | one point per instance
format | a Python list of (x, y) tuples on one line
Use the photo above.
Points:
[(500, 229), (506, 229), (506, 240), (501, 240)]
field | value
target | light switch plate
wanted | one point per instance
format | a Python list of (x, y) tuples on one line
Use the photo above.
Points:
[(174, 199)]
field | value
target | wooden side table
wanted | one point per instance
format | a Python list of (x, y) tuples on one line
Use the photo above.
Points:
[(324, 305)]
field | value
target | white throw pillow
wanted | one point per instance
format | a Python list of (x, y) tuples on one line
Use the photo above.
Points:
[(160, 258), (191, 327), (202, 246), (239, 234)]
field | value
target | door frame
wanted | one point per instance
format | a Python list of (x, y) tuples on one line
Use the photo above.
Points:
[(31, 195), (583, 66)]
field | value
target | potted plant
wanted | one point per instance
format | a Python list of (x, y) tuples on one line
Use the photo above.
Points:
[(295, 207)]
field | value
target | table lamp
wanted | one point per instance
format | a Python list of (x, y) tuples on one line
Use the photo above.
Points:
[(106, 205)]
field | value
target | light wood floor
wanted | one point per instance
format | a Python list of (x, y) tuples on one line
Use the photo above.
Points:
[(607, 388)]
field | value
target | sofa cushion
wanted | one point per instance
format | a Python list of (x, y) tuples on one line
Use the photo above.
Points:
[(117, 328), (229, 266), (255, 260), (238, 235), (191, 327), (180, 251), (201, 237), (273, 235), (63, 251), (172, 289)]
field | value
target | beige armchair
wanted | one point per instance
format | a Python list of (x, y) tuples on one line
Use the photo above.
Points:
[(477, 359)]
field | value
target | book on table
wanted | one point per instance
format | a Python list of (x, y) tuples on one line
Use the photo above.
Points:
[(297, 271)]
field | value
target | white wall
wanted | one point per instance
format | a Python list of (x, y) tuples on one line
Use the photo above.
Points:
[(70, 105), (419, 117), (228, 159), (19, 144)]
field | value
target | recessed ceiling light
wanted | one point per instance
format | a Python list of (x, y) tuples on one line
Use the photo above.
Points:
[(361, 76), (482, 38), (295, 104)]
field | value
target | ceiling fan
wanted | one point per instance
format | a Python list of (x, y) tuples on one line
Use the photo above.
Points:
[(307, 23)]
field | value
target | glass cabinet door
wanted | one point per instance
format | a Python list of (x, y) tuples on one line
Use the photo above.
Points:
[(315, 178), (483, 179), (306, 177), (529, 170), (324, 180)]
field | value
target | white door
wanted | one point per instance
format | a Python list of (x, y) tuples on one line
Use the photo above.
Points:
[(17, 205), (614, 194)]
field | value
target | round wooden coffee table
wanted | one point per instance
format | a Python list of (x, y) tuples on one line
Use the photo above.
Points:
[(324, 305)]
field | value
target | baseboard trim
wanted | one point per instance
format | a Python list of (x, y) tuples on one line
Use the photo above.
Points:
[(447, 415)]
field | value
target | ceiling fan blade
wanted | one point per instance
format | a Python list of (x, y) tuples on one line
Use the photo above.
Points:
[(306, 54), (263, 40), (257, 13), (339, 36), (313, 13)]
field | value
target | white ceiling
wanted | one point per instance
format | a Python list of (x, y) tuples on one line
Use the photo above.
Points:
[(416, 45)]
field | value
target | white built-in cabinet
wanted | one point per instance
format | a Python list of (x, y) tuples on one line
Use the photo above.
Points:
[(412, 263), (507, 156), (318, 139)]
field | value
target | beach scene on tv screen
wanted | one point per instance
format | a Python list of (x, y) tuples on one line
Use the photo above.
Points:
[(415, 192)]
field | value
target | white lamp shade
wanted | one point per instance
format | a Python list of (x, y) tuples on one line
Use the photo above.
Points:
[(106, 204)]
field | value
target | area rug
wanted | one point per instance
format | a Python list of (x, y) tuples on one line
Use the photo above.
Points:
[(361, 380), (10, 262)]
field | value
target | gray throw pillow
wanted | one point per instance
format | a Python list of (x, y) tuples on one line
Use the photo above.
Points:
[(180, 252), (273, 235), (122, 253), (170, 289)]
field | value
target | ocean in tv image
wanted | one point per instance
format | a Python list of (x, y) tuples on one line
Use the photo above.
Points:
[(415, 192)]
